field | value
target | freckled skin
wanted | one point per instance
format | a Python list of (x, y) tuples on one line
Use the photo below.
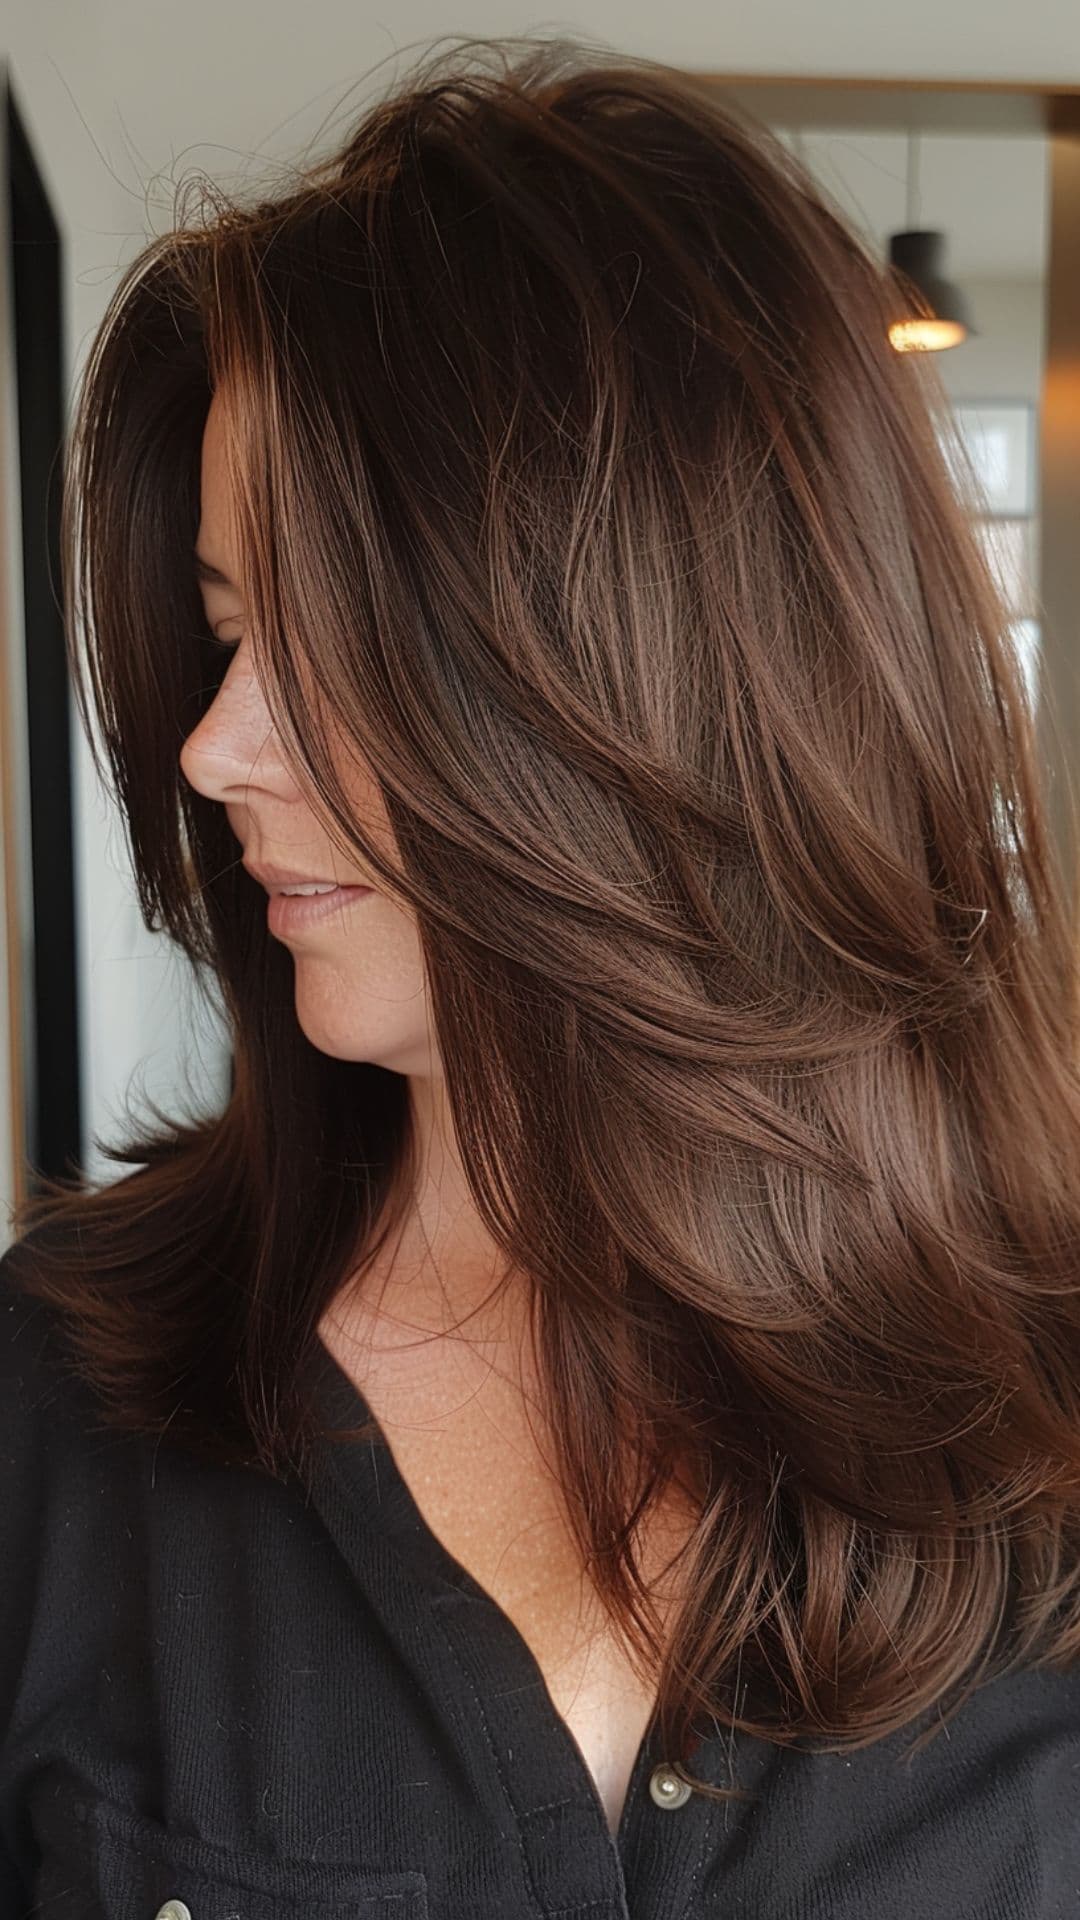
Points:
[(360, 984), (468, 1437), (460, 1408)]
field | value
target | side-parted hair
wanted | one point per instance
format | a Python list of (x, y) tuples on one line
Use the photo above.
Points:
[(582, 494)]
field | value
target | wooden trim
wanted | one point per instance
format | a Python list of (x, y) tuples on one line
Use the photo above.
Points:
[(1059, 514), (894, 105), (14, 1175)]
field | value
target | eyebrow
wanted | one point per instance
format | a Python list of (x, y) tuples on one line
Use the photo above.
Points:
[(210, 574)]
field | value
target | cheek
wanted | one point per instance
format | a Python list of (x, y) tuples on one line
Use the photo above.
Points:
[(360, 790), (372, 812), (365, 802)]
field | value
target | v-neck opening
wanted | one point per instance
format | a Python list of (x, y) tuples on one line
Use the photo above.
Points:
[(398, 1515)]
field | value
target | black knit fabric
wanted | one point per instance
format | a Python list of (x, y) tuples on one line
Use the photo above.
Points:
[(218, 1692)]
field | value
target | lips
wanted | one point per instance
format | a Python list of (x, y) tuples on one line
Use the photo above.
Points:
[(275, 878), (296, 912)]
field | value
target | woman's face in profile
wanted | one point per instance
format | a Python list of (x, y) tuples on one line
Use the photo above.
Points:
[(360, 992)]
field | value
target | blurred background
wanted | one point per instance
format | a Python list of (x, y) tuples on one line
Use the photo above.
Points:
[(951, 138)]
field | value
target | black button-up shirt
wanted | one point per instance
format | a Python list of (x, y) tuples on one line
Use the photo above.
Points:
[(221, 1699)]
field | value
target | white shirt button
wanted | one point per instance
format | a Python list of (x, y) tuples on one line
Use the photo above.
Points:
[(173, 1910), (667, 1789)]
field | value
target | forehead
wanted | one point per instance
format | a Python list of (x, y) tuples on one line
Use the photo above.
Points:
[(216, 535)]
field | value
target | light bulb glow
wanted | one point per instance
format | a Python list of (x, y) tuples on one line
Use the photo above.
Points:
[(925, 336)]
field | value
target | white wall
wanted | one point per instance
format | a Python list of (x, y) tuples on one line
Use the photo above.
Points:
[(123, 100)]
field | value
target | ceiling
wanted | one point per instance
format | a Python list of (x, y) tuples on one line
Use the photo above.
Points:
[(987, 192)]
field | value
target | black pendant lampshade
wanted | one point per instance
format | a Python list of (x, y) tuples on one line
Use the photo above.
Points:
[(940, 315)]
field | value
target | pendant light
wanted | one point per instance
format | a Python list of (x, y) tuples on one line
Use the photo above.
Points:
[(937, 313)]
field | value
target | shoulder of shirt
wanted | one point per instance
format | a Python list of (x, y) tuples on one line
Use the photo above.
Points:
[(1037, 1706), (27, 1340), (45, 1413), (50, 1419), (34, 1369)]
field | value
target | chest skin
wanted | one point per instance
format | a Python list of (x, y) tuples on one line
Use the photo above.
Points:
[(468, 1440)]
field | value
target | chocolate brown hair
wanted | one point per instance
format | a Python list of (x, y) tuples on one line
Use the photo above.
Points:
[(582, 492)]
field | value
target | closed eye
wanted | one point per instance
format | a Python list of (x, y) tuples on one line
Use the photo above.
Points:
[(213, 639)]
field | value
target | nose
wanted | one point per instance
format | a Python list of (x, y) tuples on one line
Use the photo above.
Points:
[(235, 744)]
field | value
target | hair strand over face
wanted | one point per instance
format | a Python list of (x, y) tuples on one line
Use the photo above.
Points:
[(623, 548)]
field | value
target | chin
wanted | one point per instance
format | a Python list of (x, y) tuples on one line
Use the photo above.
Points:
[(348, 1039), (339, 1039)]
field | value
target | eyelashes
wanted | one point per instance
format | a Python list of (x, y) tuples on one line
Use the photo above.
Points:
[(217, 645)]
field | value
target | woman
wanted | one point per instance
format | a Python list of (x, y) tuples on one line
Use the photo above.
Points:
[(593, 1426)]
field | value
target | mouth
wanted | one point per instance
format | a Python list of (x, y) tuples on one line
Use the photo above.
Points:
[(290, 913)]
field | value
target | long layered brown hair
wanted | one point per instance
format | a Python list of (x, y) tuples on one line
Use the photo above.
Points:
[(583, 494)]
